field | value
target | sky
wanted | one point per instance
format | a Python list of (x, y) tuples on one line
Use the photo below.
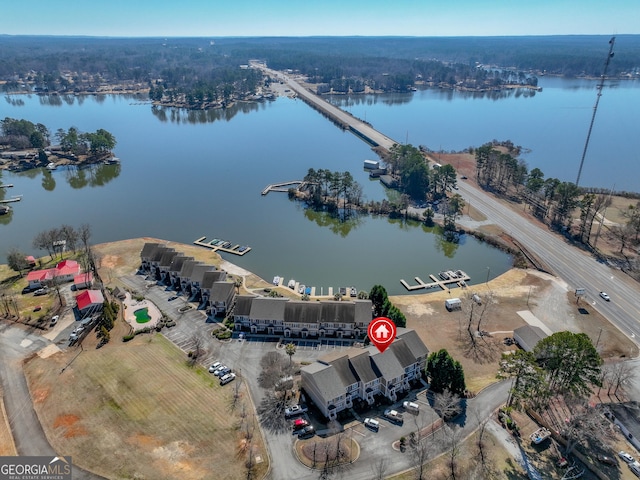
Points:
[(232, 18)]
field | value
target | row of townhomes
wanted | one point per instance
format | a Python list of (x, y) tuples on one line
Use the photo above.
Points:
[(302, 319), (338, 380), (203, 283)]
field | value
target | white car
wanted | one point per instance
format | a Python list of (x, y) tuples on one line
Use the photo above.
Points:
[(605, 296), (626, 457), (214, 367), (372, 424), (227, 378), (294, 410), (54, 320)]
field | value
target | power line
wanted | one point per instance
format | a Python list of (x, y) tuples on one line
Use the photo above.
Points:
[(595, 107)]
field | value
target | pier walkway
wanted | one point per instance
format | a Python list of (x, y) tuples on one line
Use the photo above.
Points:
[(457, 278), (284, 186), (235, 249)]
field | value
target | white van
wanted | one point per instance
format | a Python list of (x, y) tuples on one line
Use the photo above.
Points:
[(635, 468), (411, 407)]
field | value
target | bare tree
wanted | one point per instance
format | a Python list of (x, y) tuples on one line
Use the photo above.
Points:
[(379, 468), (446, 404), (271, 412), (583, 422), (419, 457), (475, 342), (274, 368), (198, 349), (618, 374), (454, 447)]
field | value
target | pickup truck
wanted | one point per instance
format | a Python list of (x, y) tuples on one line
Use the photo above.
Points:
[(394, 416)]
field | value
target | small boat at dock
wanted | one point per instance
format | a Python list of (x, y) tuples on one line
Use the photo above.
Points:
[(52, 166), (291, 284)]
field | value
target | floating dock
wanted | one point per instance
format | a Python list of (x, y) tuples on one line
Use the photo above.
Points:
[(235, 249), (11, 200), (284, 186), (445, 279)]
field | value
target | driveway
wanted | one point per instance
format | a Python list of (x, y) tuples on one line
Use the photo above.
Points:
[(17, 343)]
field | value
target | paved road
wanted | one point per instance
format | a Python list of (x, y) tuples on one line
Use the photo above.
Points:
[(16, 343), (574, 266)]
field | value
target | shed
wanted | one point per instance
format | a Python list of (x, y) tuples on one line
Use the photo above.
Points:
[(527, 337), (453, 304)]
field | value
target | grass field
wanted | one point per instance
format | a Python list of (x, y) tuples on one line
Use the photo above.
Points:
[(136, 410)]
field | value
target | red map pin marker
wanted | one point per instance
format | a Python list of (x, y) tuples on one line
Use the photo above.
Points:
[(381, 332)]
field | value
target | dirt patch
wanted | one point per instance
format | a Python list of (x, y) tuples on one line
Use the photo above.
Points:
[(318, 452), (40, 395), (544, 295), (146, 413)]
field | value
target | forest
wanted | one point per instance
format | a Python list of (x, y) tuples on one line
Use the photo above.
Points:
[(205, 71)]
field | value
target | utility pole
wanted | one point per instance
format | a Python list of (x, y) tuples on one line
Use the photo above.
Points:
[(595, 107)]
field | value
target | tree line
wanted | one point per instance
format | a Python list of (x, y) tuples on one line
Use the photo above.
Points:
[(552, 201)]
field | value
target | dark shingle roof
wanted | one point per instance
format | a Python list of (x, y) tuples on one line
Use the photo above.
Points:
[(364, 367), (157, 254), (326, 379), (167, 258), (148, 249), (387, 363), (302, 312), (176, 263), (243, 305), (197, 274), (221, 292), (628, 414), (413, 341), (337, 312), (187, 268), (402, 352), (210, 278), (268, 308)]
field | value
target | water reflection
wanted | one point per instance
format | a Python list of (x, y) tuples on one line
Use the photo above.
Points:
[(14, 101), (338, 226), (48, 182), (192, 117), (91, 175)]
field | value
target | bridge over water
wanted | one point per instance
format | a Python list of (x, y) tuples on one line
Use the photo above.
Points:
[(347, 121)]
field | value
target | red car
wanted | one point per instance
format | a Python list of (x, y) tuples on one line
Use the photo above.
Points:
[(299, 423), (38, 308)]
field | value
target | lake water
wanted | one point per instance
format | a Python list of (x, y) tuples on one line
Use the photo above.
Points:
[(188, 174)]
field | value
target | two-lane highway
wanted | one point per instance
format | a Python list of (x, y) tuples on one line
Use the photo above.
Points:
[(574, 266)]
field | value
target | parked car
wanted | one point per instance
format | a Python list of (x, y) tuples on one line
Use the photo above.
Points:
[(372, 424), (214, 366), (299, 423), (626, 457), (73, 337), (78, 330), (463, 177), (41, 291), (27, 289), (54, 320), (411, 407), (220, 371), (307, 432), (605, 296), (227, 378), (607, 459), (37, 308), (171, 299), (86, 321), (294, 410)]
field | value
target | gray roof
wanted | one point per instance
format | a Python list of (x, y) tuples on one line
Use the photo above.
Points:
[(345, 371), (176, 263), (167, 258), (403, 354), (302, 312), (243, 305), (187, 268), (337, 312), (222, 292), (326, 379), (211, 277), (157, 254), (363, 366), (197, 274), (386, 362), (529, 336), (263, 308), (148, 249), (413, 341), (363, 311)]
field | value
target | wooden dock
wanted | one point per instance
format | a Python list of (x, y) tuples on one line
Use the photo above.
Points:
[(217, 248), (11, 200), (284, 186), (458, 279)]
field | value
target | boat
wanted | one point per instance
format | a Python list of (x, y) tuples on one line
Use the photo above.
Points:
[(540, 435), (52, 166), (112, 160), (276, 280), (226, 244), (242, 248), (444, 275), (307, 291), (291, 284), (301, 289), (343, 291), (212, 242), (353, 292)]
